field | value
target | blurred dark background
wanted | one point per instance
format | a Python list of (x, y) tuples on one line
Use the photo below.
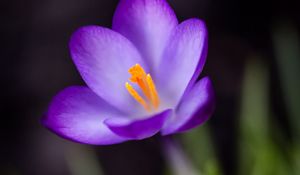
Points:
[(257, 37)]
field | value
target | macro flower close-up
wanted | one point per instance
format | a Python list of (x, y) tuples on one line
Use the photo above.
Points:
[(150, 87), (141, 77)]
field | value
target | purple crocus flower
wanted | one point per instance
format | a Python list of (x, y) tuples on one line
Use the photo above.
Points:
[(140, 75)]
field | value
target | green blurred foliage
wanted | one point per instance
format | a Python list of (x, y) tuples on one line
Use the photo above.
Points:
[(287, 52), (259, 154), (200, 149)]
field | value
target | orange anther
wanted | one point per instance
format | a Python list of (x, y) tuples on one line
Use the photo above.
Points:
[(152, 88), (145, 82), (136, 96)]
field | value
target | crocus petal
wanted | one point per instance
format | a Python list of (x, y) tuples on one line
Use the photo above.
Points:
[(77, 113), (138, 128), (148, 24), (183, 60), (103, 58), (195, 108)]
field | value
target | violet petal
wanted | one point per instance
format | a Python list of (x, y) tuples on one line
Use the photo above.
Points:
[(195, 108), (103, 58), (148, 24), (139, 128), (77, 113), (183, 60)]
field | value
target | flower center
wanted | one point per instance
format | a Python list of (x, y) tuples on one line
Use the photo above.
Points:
[(146, 84)]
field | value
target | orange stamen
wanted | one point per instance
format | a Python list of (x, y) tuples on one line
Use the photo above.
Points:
[(146, 84), (136, 96), (152, 88)]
